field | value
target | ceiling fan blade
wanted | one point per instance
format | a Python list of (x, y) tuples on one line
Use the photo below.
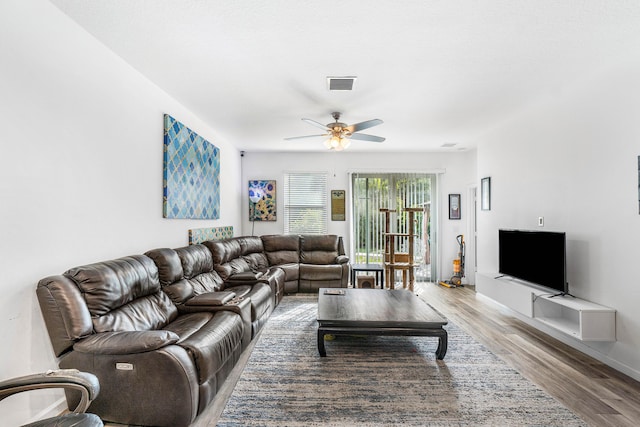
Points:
[(316, 124), (364, 125), (365, 137), (306, 136)]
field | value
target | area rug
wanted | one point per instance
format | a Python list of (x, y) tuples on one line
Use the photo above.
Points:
[(379, 381)]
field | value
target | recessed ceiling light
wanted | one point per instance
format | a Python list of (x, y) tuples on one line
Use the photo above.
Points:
[(341, 83), (448, 145)]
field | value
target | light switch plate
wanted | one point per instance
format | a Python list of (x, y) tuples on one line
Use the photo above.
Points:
[(540, 221)]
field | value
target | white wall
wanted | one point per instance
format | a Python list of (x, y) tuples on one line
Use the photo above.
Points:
[(459, 174), (573, 158), (80, 172)]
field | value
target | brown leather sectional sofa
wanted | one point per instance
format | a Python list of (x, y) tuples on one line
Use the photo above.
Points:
[(163, 330)]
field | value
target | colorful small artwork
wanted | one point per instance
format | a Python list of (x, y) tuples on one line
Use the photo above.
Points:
[(263, 192), (191, 185), (199, 235)]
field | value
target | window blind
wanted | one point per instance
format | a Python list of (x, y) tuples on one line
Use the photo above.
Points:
[(305, 210)]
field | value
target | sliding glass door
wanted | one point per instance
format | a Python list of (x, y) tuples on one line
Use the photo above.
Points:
[(374, 191)]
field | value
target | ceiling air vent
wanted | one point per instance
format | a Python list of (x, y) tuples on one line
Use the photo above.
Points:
[(341, 83)]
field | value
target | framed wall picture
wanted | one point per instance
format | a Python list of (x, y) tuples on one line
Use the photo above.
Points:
[(191, 174), (485, 194), (262, 200), (454, 206), (337, 205)]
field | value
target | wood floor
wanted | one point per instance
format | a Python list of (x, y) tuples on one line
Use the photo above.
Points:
[(600, 395)]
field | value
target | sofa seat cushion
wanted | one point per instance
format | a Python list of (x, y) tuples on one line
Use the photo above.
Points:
[(291, 271), (320, 272), (210, 339), (188, 324), (126, 342)]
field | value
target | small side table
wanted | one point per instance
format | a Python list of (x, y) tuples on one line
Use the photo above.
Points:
[(377, 269)]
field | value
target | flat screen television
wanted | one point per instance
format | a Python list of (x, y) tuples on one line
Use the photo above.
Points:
[(538, 257)]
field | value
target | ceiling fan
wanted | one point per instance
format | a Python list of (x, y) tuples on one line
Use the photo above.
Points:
[(341, 134)]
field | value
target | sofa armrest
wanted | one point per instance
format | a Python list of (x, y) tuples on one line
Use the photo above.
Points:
[(211, 299), (342, 259), (126, 342), (244, 278)]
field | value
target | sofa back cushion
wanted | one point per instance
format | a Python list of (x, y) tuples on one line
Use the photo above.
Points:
[(123, 294), (319, 249), (168, 263), (186, 272), (171, 274), (227, 257), (252, 252), (199, 272), (282, 248)]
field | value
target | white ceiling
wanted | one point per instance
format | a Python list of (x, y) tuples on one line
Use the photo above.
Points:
[(435, 71)]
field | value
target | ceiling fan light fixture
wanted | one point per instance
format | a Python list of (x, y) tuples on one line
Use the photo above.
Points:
[(337, 143), (340, 134)]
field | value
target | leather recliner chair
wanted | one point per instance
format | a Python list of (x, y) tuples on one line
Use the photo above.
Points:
[(156, 366), (323, 263)]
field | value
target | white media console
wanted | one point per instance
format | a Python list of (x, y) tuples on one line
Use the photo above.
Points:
[(583, 320)]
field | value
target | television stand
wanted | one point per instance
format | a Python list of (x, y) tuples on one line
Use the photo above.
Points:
[(580, 319)]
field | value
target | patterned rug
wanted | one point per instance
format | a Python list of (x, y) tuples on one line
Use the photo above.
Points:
[(376, 381)]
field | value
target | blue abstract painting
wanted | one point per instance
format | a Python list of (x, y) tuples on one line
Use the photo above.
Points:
[(191, 184)]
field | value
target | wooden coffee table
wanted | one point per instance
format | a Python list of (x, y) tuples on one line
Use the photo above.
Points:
[(395, 312)]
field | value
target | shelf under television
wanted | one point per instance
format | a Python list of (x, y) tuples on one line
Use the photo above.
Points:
[(581, 319)]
